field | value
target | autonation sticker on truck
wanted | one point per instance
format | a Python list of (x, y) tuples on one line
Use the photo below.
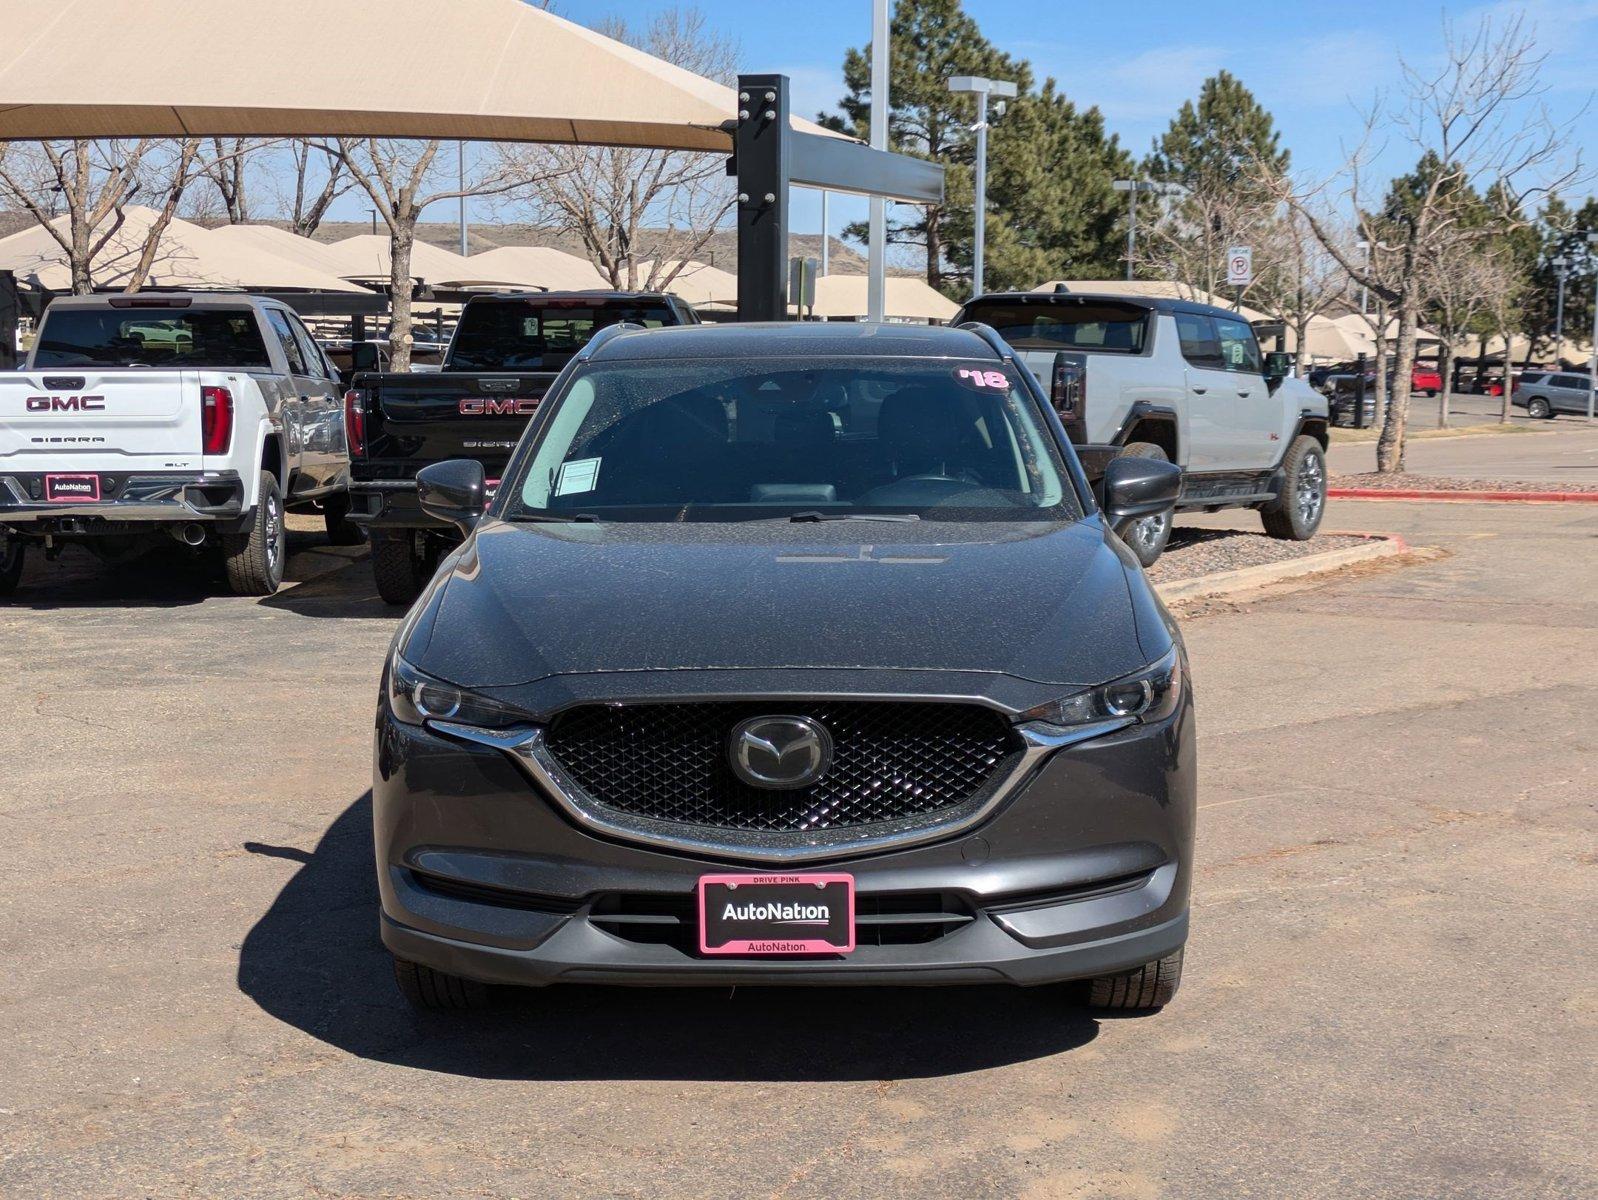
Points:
[(776, 914)]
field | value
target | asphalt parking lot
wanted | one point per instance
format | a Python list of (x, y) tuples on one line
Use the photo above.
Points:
[(1389, 989)]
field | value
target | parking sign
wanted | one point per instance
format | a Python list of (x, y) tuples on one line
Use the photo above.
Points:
[(1240, 266)]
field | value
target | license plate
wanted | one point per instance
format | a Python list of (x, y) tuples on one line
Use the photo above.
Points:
[(71, 487), (776, 914)]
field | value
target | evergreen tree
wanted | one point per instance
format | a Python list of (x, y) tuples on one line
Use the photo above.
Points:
[(1222, 140), (1562, 233), (931, 40), (1053, 212)]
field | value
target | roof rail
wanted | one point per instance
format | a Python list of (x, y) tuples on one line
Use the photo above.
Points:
[(608, 333), (989, 335)]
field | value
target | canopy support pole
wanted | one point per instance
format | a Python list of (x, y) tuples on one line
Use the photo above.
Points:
[(769, 156)]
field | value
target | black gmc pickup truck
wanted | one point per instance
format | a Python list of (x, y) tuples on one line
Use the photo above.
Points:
[(506, 351)]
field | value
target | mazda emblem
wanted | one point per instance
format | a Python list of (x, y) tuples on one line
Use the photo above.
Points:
[(780, 752)]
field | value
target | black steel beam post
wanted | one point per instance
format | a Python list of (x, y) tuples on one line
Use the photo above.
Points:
[(10, 313), (760, 147)]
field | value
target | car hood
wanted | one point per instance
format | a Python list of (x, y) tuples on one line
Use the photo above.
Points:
[(1049, 603)]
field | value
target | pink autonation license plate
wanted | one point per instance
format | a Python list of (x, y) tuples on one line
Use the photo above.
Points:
[(776, 914)]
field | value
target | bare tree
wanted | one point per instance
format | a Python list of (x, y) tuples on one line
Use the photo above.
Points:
[(310, 201), (640, 215), (92, 183), (401, 181), (1501, 294), (1187, 244), (229, 173), (1296, 278), (1460, 284), (1477, 117)]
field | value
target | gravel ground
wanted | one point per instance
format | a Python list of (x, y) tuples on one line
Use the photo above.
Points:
[(1446, 483), (1194, 552)]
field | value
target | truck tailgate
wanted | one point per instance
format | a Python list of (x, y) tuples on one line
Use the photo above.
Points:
[(432, 417), (100, 421)]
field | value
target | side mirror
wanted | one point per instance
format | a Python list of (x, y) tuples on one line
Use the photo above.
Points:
[(453, 491), (1278, 365), (364, 356), (1139, 487)]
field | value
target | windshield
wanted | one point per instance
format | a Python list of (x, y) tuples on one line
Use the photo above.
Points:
[(150, 337), (812, 439), (1105, 328), (539, 335)]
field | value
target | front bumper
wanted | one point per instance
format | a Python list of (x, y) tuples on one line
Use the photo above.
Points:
[(1082, 871), (128, 500)]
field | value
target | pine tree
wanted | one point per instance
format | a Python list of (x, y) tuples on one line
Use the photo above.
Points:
[(1053, 212), (1222, 140), (931, 40)]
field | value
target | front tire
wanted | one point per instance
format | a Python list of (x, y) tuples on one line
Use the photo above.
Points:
[(341, 531), (13, 553), (1146, 537), (401, 571), (1296, 512), (255, 558), (1539, 409), (435, 991), (1150, 987)]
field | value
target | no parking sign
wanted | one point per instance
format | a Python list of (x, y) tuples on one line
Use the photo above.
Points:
[(1240, 266)]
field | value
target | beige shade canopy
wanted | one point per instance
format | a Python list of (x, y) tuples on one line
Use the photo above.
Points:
[(531, 266), (366, 257), (493, 70), (187, 257), (273, 240), (909, 298), (698, 283)]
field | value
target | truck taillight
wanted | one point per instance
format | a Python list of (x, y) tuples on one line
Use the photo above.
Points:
[(216, 420), (1065, 390), (354, 423)]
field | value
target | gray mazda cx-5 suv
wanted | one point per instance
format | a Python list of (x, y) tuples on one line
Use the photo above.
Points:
[(788, 654)]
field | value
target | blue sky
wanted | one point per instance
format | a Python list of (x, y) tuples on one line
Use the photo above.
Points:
[(1310, 64)]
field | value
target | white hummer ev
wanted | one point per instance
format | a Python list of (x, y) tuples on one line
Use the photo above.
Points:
[(199, 417), (1180, 381)]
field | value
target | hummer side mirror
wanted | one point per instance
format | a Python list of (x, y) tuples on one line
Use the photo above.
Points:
[(1278, 366)]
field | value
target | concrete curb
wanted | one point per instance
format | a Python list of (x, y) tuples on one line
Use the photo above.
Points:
[(1243, 579), (1421, 494)]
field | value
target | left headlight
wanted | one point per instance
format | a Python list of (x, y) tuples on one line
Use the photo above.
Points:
[(416, 697), (1151, 694)]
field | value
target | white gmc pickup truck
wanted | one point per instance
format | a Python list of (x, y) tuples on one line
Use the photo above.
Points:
[(1178, 380), (199, 417)]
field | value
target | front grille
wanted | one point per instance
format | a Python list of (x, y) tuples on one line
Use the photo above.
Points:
[(892, 761)]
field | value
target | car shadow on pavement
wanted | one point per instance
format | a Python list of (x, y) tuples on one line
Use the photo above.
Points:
[(314, 961), (346, 590)]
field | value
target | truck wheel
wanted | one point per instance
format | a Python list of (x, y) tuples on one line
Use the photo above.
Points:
[(1539, 408), (1149, 987), (12, 553), (1147, 536), (341, 531), (434, 991), (1296, 512), (401, 572), (255, 558)]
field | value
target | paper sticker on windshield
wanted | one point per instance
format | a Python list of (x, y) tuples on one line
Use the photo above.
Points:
[(986, 381), (578, 475)]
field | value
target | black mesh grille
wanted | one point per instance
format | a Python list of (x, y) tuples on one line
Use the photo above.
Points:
[(668, 762)]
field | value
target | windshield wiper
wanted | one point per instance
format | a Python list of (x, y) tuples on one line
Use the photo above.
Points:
[(817, 515), (558, 518)]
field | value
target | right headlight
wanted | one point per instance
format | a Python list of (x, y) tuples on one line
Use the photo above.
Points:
[(1147, 695), (415, 697)]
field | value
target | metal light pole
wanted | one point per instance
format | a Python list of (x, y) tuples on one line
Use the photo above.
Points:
[(982, 89), (1561, 266), (460, 148), (1592, 362), (877, 264), (826, 233), (1133, 187), (1364, 292)]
